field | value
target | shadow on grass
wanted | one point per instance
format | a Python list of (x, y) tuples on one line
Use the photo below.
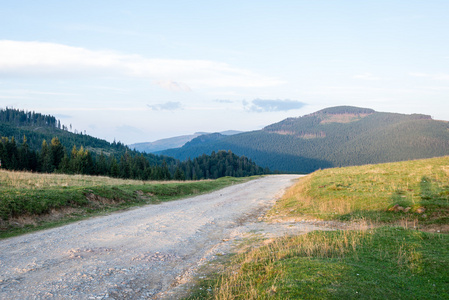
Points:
[(434, 199), (429, 205)]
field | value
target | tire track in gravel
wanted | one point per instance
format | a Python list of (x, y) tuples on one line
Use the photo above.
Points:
[(137, 254)]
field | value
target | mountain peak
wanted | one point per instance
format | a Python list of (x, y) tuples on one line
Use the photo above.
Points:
[(337, 114), (342, 114), (341, 110)]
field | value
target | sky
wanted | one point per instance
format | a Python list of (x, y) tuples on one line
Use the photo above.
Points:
[(138, 71)]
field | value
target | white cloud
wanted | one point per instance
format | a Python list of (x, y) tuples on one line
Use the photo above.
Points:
[(39, 59), (263, 105)]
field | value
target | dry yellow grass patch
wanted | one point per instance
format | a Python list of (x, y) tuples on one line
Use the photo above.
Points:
[(28, 180)]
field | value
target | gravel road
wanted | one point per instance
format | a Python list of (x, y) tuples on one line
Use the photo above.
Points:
[(137, 254)]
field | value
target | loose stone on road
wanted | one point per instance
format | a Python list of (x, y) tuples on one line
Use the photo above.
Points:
[(137, 254)]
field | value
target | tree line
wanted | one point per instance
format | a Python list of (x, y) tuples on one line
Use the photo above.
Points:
[(54, 158), (27, 118)]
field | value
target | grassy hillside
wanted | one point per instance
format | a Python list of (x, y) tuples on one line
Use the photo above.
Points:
[(333, 137), (392, 259), (375, 193), (30, 201)]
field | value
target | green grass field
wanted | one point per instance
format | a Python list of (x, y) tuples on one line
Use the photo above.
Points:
[(420, 188), (382, 263), (394, 259), (30, 202)]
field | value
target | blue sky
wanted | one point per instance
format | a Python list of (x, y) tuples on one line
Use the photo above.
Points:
[(138, 71)]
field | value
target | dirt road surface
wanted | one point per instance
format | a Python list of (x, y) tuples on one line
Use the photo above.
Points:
[(142, 253)]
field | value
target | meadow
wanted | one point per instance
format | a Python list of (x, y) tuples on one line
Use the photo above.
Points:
[(31, 201), (399, 248), (413, 192)]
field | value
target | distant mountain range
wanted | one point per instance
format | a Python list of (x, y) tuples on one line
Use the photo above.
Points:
[(40, 143), (332, 137), (173, 142)]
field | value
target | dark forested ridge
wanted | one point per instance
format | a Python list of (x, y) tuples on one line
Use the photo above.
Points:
[(333, 137), (36, 127), (39, 143)]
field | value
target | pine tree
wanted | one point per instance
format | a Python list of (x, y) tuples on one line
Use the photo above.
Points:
[(101, 166), (179, 175), (24, 155), (114, 170), (57, 152), (45, 160), (165, 173), (124, 166)]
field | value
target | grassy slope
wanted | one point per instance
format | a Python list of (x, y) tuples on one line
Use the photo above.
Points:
[(386, 262), (369, 192), (31, 202)]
